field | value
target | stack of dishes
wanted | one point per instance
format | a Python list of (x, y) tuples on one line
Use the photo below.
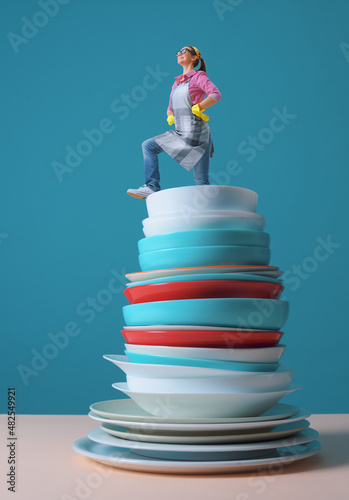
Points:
[(202, 353)]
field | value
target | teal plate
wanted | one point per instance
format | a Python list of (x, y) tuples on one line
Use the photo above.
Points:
[(118, 457), (265, 314), (204, 237)]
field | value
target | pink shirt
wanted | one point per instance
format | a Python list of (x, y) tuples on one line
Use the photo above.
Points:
[(199, 86)]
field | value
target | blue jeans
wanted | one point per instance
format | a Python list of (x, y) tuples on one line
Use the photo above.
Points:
[(151, 165)]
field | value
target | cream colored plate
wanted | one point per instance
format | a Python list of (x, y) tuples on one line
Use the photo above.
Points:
[(281, 431)]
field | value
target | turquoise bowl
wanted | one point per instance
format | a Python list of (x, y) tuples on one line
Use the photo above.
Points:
[(173, 258), (204, 237), (262, 314), (150, 359)]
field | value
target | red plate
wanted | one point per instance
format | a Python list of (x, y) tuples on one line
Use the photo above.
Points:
[(203, 338), (203, 290)]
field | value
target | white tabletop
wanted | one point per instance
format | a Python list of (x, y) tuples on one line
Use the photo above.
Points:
[(48, 468)]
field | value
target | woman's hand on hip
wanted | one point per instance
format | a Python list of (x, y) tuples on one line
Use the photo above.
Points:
[(197, 111), (170, 119)]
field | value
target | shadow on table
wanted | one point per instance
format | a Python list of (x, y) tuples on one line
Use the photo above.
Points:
[(334, 453)]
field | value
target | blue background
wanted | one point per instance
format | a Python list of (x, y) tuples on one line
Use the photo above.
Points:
[(62, 237)]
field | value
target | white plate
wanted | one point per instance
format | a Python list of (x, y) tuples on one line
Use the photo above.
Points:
[(250, 355), (178, 405), (190, 327), (277, 432), (226, 451), (162, 273), (150, 370), (276, 381), (181, 222), (116, 457), (203, 214), (126, 410)]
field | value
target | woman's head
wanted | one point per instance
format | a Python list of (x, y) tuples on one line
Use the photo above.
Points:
[(190, 56)]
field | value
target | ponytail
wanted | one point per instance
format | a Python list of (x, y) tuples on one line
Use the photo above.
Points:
[(202, 65)]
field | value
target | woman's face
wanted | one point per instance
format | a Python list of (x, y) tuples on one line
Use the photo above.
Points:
[(187, 58)]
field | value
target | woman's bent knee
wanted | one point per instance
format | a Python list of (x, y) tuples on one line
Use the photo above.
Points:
[(146, 144)]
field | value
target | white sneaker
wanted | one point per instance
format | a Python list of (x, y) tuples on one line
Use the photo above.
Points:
[(142, 192)]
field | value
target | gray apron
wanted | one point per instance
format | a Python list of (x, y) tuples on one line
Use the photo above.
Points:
[(188, 143)]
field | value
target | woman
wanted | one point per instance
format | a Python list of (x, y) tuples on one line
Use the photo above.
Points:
[(190, 144)]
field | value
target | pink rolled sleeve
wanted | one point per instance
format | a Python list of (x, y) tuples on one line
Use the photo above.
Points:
[(203, 83), (199, 86)]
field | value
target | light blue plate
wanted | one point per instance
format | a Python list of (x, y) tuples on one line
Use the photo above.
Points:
[(150, 359), (125, 459), (204, 237), (265, 314), (174, 258), (207, 277)]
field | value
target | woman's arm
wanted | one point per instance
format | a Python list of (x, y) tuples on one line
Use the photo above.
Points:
[(206, 103), (204, 83)]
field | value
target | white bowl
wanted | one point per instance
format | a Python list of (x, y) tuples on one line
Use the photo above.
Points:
[(174, 405), (145, 370), (251, 221), (251, 355), (277, 381), (198, 198), (205, 213)]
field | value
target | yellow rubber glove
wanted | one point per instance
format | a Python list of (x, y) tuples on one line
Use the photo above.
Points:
[(198, 112), (170, 120)]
